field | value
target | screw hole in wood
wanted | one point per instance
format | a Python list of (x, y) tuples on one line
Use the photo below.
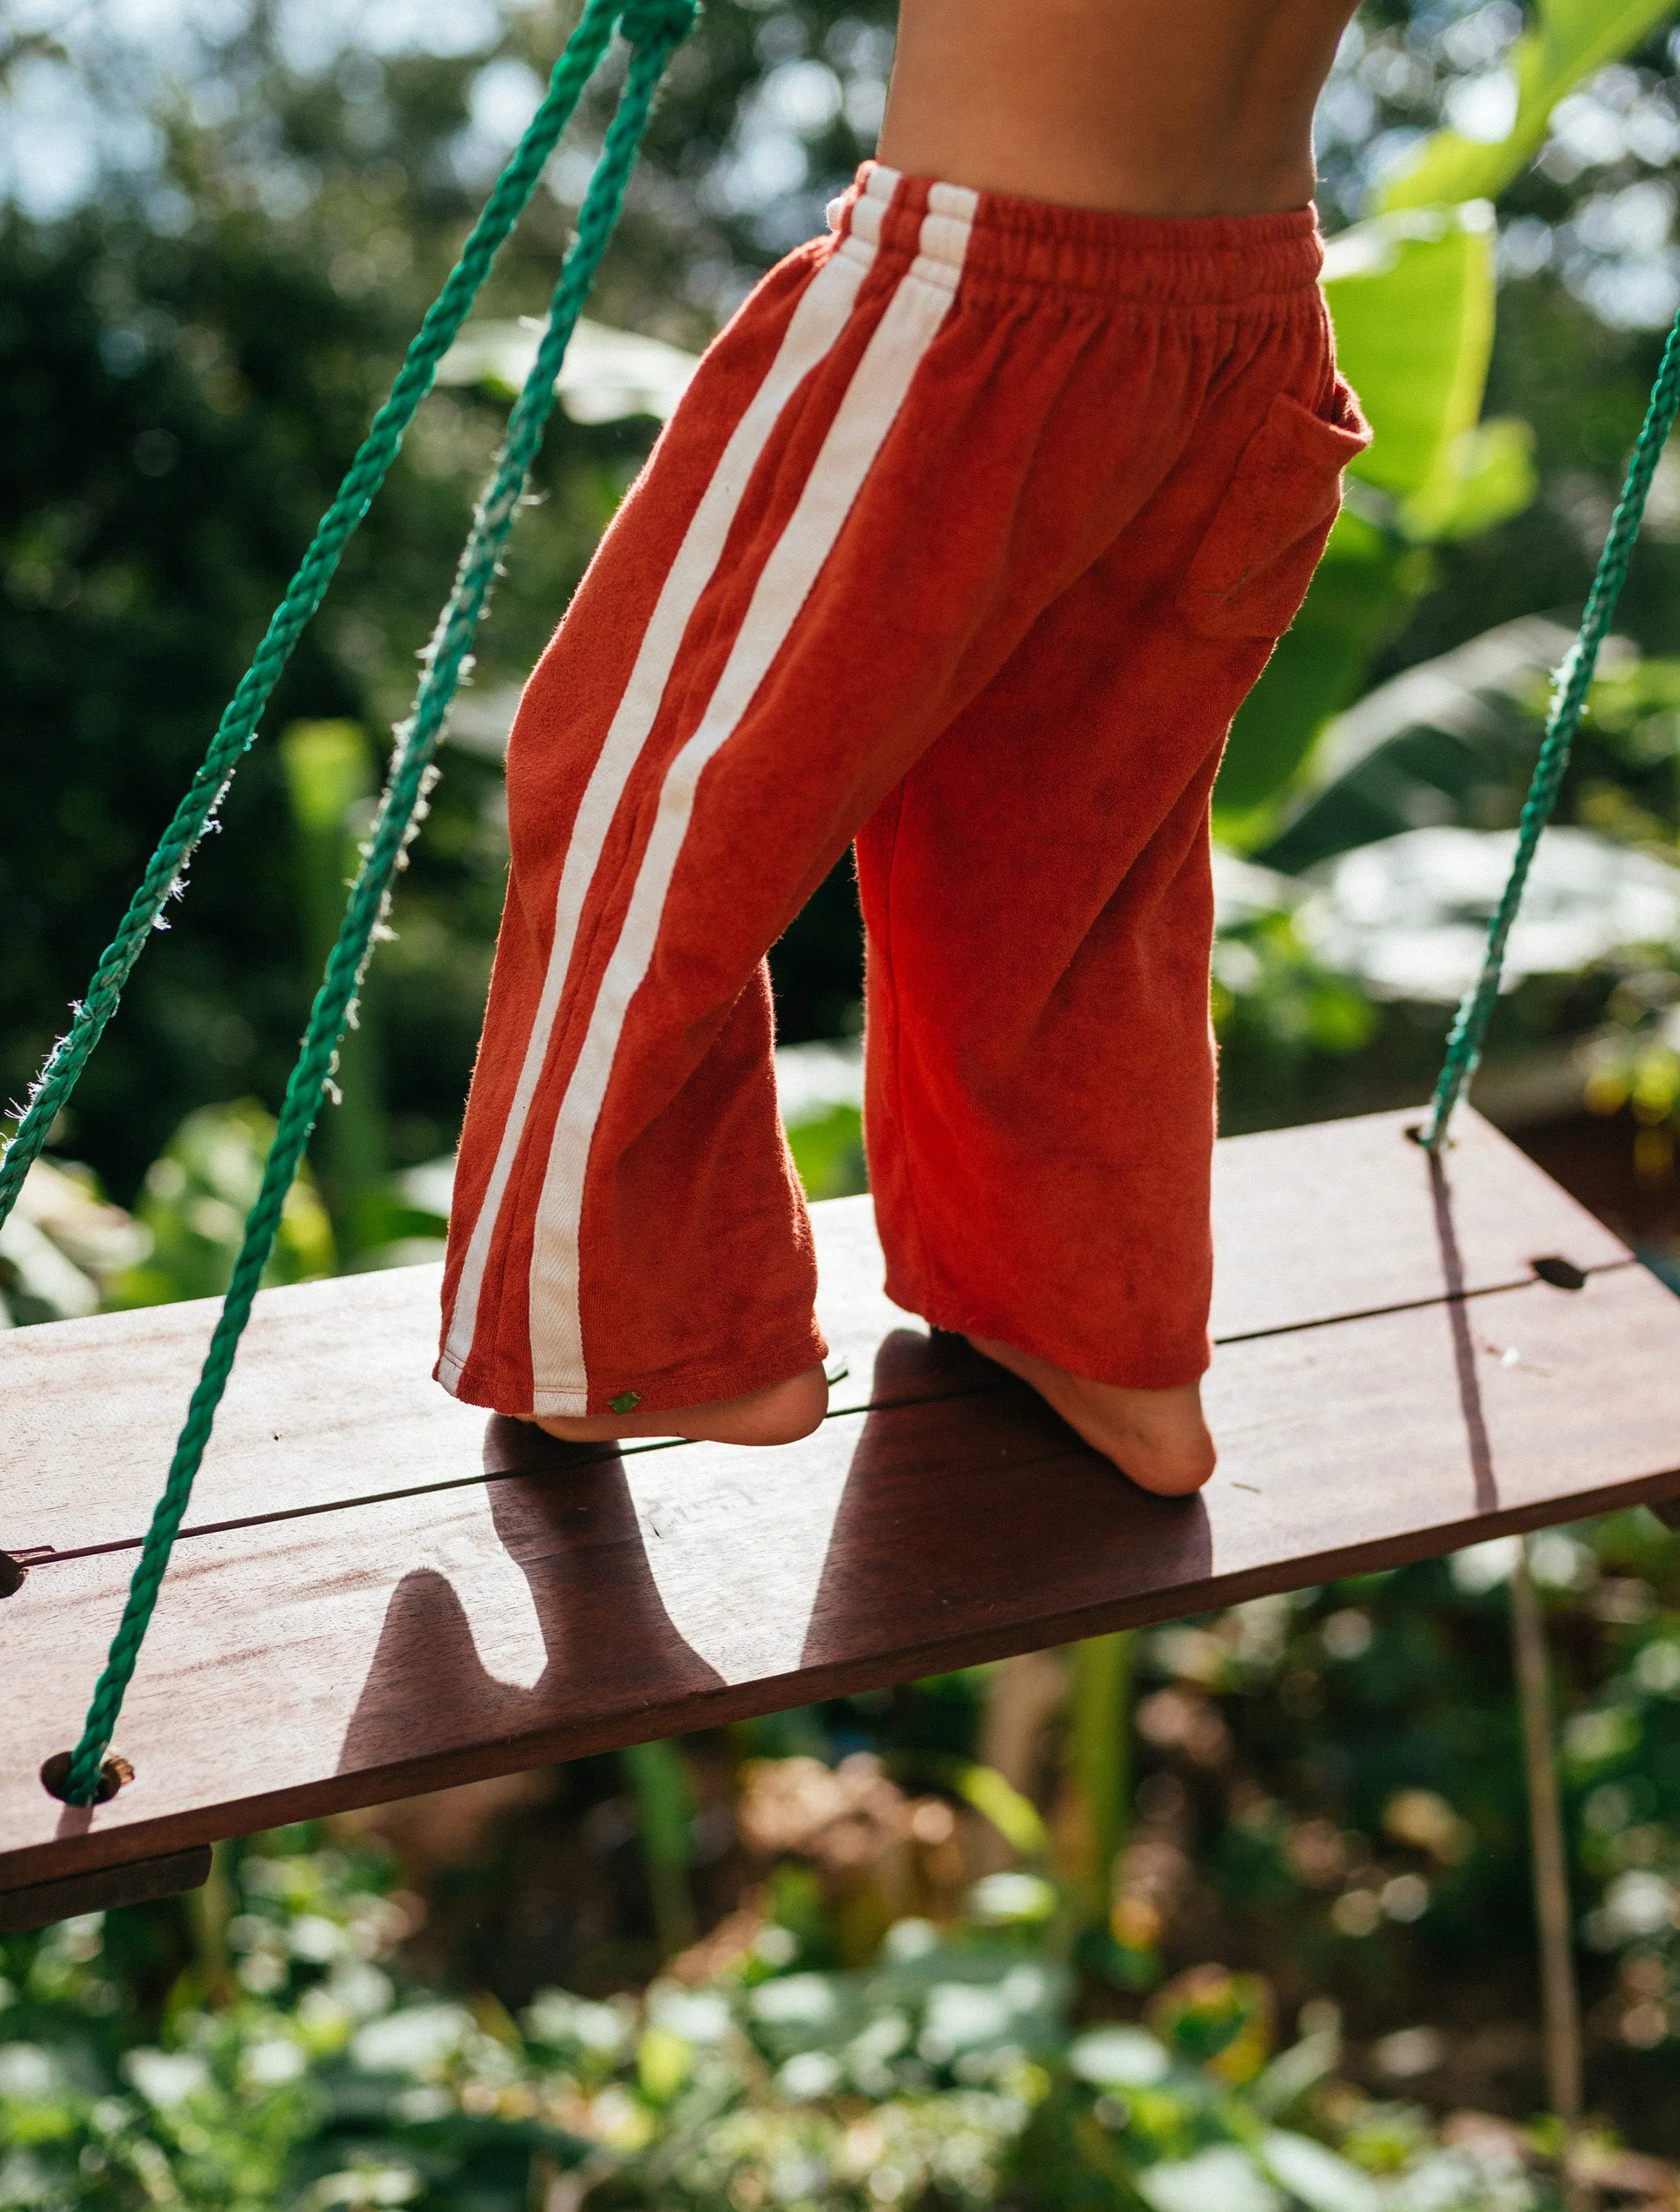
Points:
[(113, 1772), (1561, 1274), (1417, 1133)]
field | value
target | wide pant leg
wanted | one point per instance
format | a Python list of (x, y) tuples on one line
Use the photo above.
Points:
[(910, 556), (1037, 895)]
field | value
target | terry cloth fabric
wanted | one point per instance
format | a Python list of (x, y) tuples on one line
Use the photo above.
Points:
[(974, 528)]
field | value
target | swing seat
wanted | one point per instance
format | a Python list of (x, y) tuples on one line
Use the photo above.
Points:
[(378, 1591)]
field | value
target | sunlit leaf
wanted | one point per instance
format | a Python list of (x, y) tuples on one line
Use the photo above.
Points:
[(1116, 2057), (1288, 2076), (664, 2061), (1221, 2179), (1009, 1899), (1568, 40), (1014, 1816), (1412, 299), (194, 1201), (1486, 477), (1315, 2176)]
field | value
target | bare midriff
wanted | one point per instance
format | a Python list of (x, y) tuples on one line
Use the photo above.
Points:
[(1155, 107)]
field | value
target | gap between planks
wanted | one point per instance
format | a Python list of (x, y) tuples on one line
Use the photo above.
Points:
[(39, 1556), (332, 1393)]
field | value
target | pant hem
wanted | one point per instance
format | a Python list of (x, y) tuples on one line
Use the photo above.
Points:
[(687, 1386), (1153, 1371)]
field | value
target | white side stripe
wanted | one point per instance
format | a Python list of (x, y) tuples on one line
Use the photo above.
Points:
[(816, 324), (907, 328)]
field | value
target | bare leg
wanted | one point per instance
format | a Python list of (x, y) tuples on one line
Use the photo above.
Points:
[(1158, 1438), (780, 1413)]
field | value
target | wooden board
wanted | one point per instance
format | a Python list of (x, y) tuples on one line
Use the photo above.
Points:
[(416, 1596), (1342, 1217), (140, 1881), (332, 1396)]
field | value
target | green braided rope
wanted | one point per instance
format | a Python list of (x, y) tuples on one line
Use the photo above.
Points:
[(1574, 678), (655, 26), (237, 728)]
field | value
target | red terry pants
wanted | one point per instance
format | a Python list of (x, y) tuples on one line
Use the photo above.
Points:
[(976, 525)]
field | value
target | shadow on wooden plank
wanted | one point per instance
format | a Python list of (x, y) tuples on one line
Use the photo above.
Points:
[(650, 1580), (573, 1525), (607, 1601), (1476, 1445), (332, 1403), (879, 1568)]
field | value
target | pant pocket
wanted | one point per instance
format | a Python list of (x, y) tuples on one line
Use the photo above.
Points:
[(1250, 572)]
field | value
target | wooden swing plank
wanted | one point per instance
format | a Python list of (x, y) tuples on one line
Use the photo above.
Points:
[(138, 1881), (1341, 1218), (332, 1396), (299, 1666)]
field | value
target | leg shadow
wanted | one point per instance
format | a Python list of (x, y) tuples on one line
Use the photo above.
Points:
[(911, 1366), (975, 1524), (1464, 1341), (556, 1591)]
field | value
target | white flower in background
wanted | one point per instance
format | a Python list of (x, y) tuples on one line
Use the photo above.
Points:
[(166, 2077)]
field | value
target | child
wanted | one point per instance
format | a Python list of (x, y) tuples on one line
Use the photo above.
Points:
[(974, 529)]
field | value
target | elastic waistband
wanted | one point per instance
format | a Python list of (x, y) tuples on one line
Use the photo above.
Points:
[(952, 233)]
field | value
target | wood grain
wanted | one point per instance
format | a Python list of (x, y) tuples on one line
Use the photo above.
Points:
[(331, 1397), (1344, 1217), (337, 1659)]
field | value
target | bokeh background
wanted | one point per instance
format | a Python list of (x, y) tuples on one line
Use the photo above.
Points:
[(1233, 1913)]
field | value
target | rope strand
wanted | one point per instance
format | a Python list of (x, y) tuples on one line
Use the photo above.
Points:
[(661, 25), (1574, 680)]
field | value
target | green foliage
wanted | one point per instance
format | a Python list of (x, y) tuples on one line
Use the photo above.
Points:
[(946, 2075), (1331, 1784), (205, 2109), (1368, 582), (1632, 730), (144, 547), (828, 1152), (65, 1247), (193, 1203), (1099, 1762), (1412, 296), (329, 775), (1412, 299), (181, 394), (1338, 1778), (1565, 43), (1015, 1817), (1486, 475), (664, 1807), (1277, 1009)]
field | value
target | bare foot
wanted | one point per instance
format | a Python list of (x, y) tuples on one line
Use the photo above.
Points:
[(1158, 1438), (780, 1414)]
